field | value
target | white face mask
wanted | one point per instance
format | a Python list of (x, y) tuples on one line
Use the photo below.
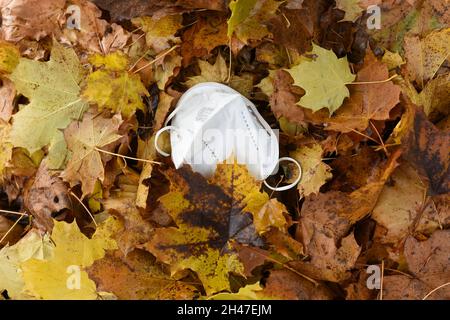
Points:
[(213, 123)]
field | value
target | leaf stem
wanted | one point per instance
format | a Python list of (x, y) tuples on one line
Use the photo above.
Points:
[(158, 57), (126, 157), (84, 206), (374, 82)]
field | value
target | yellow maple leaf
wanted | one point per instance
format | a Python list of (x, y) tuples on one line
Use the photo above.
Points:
[(324, 79), (249, 18), (62, 276), (112, 87), (210, 215), (31, 246), (160, 33), (218, 72), (314, 172)]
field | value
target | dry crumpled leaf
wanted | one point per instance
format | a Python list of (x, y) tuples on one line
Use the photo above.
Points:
[(137, 276), (7, 95), (210, 215), (428, 262), (33, 19), (46, 198), (48, 278), (207, 33), (426, 147), (283, 101), (94, 33), (352, 9), (218, 72), (84, 139), (325, 221), (314, 172), (425, 56)]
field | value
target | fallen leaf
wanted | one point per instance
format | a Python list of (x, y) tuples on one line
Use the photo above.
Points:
[(46, 198), (324, 79), (137, 276), (160, 32), (425, 56), (352, 9), (218, 72), (31, 246), (33, 19), (314, 172), (84, 139), (271, 215), (53, 90), (9, 57), (364, 103), (49, 278), (248, 18), (210, 215)]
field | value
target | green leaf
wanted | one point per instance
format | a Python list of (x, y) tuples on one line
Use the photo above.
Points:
[(324, 79), (53, 90)]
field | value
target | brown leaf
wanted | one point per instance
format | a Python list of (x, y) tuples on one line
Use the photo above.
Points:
[(136, 276), (364, 103), (286, 285), (207, 33), (7, 95), (14, 233), (33, 19), (46, 198), (427, 148)]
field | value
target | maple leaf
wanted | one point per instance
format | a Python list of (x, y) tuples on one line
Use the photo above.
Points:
[(163, 72), (351, 8), (112, 87), (314, 172), (200, 39), (53, 90), (427, 261), (48, 278), (31, 246), (324, 79), (218, 72), (248, 18), (84, 139), (9, 57), (434, 97), (160, 32), (283, 102), (425, 56), (33, 19), (425, 146), (272, 214), (137, 276), (403, 206), (210, 215), (364, 103)]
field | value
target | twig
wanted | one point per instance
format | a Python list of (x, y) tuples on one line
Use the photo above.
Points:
[(126, 157), (435, 289)]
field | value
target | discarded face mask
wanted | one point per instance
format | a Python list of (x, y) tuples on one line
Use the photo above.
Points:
[(213, 123)]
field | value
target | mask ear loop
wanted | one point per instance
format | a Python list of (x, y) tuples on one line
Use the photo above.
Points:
[(293, 184), (158, 134)]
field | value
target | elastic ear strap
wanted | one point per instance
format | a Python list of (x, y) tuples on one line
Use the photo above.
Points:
[(293, 184), (158, 134)]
